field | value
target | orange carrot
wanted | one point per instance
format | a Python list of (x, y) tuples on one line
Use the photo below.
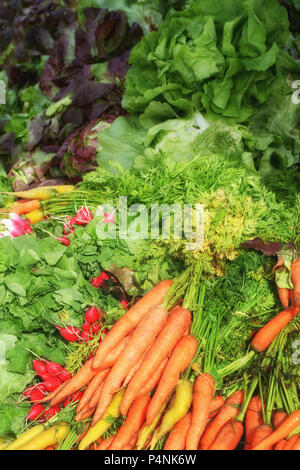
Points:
[(96, 397), (284, 296), (132, 424), (263, 431), (25, 207), (292, 298), (176, 440), (278, 418), (229, 411), (280, 445), (84, 414), (270, 330), (215, 406), (154, 380), (295, 276), (253, 418), (180, 358), (297, 444), (202, 398), (54, 393), (135, 368), (87, 372), (91, 388), (143, 336), (132, 443), (171, 333), (229, 436), (130, 319), (283, 431), (105, 443), (291, 442)]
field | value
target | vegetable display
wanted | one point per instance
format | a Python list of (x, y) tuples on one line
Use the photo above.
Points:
[(149, 225)]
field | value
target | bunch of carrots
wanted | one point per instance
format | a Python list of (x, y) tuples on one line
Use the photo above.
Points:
[(137, 375)]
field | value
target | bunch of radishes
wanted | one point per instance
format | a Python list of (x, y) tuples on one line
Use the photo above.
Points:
[(82, 217), (90, 326), (53, 375)]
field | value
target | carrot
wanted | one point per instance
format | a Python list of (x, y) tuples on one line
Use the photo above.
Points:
[(171, 333), (96, 397), (284, 296), (295, 276), (176, 440), (227, 413), (144, 334), (132, 424), (263, 431), (91, 388), (132, 443), (253, 418), (270, 330), (215, 406), (297, 444), (105, 443), (229, 436), (283, 431), (154, 380), (278, 418), (25, 207), (291, 442), (87, 372), (135, 368), (84, 414), (202, 398), (179, 360), (280, 445), (130, 319), (292, 297)]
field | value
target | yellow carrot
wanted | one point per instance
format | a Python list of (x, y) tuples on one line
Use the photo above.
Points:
[(47, 438), (26, 437), (41, 193), (94, 432), (35, 216)]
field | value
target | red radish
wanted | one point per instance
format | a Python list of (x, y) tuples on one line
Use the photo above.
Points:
[(40, 386), (51, 383), (35, 411), (124, 304), (83, 216), (53, 368), (64, 375), (86, 326), (50, 412), (97, 281), (85, 336), (39, 367), (36, 395), (92, 315), (70, 333), (96, 327), (64, 239)]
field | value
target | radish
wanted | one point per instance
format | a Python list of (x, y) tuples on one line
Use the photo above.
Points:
[(92, 315), (64, 375), (36, 395), (50, 412), (83, 216), (51, 382), (124, 304), (85, 336), (70, 333), (64, 239), (35, 411), (74, 397), (39, 367), (40, 386), (96, 327), (53, 368), (86, 326)]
